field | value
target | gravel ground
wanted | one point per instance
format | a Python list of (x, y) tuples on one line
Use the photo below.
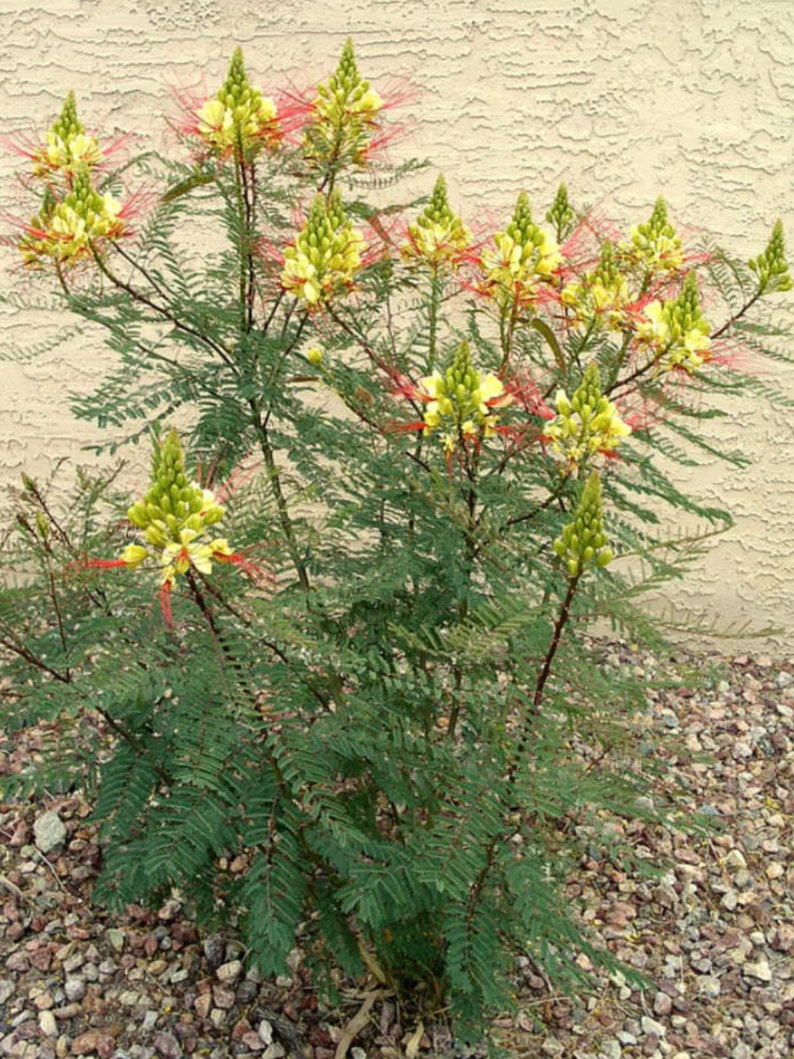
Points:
[(715, 934)]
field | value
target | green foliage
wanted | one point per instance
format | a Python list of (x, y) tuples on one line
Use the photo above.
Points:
[(366, 716)]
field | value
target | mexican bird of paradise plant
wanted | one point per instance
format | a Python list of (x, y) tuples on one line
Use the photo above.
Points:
[(393, 756)]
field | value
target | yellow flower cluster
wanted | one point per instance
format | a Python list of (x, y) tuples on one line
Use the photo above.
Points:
[(344, 115), (326, 254), (676, 331), (600, 298), (583, 543), (239, 119), (67, 147), (174, 517), (523, 257), (461, 402), (438, 237), (586, 425), (771, 266), (73, 229), (654, 246), (561, 214)]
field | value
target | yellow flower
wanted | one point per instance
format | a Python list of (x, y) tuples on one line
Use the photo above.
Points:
[(462, 401), (344, 116), (66, 155), (588, 424), (654, 246), (245, 127), (522, 258), (326, 254), (188, 551), (71, 230), (438, 238), (600, 298), (133, 555), (67, 148), (675, 331), (173, 518)]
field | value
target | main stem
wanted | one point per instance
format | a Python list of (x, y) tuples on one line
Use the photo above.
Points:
[(470, 553), (530, 716)]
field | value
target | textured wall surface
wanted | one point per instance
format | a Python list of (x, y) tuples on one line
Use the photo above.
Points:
[(623, 99)]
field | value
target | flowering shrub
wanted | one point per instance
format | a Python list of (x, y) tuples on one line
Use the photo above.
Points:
[(440, 450)]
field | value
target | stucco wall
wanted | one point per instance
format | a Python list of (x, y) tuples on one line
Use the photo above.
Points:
[(623, 99)]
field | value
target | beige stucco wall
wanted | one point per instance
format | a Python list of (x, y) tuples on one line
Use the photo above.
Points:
[(623, 99)]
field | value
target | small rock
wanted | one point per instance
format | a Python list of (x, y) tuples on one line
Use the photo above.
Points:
[(611, 1049), (47, 1024), (626, 1038), (68, 1011), (735, 860), (49, 831), (214, 950), (6, 989), (170, 910), (203, 1004), (74, 987), (149, 1021), (709, 986), (246, 991), (551, 1046), (781, 940), (229, 972), (275, 1051), (218, 1018), (760, 970), (265, 1031), (116, 938), (662, 1004), (94, 1041), (652, 1027), (743, 879), (166, 1045), (224, 998)]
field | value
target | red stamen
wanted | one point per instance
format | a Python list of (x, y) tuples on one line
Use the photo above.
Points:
[(165, 604), (99, 564)]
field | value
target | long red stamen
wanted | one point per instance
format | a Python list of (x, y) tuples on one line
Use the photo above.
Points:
[(165, 604), (100, 564)]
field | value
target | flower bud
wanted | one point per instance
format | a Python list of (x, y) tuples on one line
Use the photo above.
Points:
[(771, 266), (437, 238), (582, 544)]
